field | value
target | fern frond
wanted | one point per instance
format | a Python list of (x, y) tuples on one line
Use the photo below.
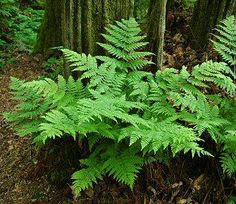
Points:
[(228, 163), (124, 165), (108, 107), (216, 73), (86, 177), (164, 134), (139, 83), (123, 44), (228, 158), (226, 40), (81, 62)]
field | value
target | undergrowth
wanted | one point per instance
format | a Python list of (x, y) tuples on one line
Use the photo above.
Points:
[(128, 116), (18, 26)]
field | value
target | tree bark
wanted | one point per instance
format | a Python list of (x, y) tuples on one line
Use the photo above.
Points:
[(156, 29), (78, 24), (50, 34), (207, 14)]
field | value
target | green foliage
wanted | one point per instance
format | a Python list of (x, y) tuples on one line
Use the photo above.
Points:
[(26, 25), (54, 67), (231, 200), (124, 42), (2, 63), (8, 10), (113, 159), (229, 155), (141, 10), (226, 47), (18, 27), (127, 115), (189, 3), (5, 59), (226, 40)]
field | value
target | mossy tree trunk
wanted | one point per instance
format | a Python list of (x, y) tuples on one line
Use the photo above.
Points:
[(207, 14), (50, 34), (78, 24), (156, 29)]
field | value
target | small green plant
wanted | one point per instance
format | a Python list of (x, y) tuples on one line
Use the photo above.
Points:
[(26, 25), (54, 67), (231, 200), (18, 27), (189, 3), (5, 58), (128, 116), (8, 10)]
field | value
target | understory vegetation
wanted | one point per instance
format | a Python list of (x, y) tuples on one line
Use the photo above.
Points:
[(18, 27), (128, 116)]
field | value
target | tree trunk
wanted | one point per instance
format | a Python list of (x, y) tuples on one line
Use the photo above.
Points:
[(207, 14), (78, 24), (156, 29)]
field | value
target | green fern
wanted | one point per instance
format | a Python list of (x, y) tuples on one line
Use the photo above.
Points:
[(162, 135), (86, 177), (228, 156), (217, 73), (226, 40), (127, 115), (115, 160), (124, 41)]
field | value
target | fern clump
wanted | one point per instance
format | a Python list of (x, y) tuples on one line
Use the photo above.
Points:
[(127, 115)]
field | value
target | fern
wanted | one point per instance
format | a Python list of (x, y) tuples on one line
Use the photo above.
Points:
[(115, 160), (69, 119), (124, 164), (127, 115), (217, 73), (162, 135), (36, 98), (86, 177), (123, 44), (226, 40), (228, 156)]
